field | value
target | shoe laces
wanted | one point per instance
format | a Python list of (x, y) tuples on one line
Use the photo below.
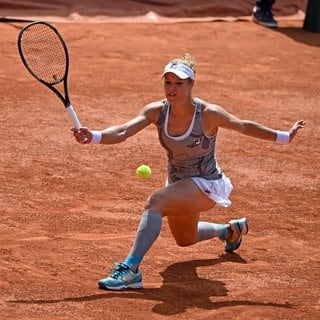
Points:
[(264, 11), (119, 270), (269, 13)]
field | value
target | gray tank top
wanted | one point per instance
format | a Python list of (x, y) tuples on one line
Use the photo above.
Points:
[(191, 154)]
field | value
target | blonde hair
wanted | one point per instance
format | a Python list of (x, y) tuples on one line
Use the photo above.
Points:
[(187, 60)]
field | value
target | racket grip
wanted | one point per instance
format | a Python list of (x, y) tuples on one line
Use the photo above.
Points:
[(74, 117)]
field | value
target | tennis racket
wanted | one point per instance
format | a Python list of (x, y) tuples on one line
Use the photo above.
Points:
[(45, 55)]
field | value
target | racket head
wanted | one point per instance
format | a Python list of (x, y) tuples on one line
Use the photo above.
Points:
[(44, 52)]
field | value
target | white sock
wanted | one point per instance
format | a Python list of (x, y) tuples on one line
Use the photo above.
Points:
[(207, 230)]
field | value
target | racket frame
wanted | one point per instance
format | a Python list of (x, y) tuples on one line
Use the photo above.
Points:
[(65, 99)]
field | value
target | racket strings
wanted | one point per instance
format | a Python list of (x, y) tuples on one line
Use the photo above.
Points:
[(44, 53)]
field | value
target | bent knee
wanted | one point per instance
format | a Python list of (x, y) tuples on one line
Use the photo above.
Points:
[(185, 242), (155, 203)]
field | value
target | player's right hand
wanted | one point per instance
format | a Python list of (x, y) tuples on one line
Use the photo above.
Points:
[(82, 135)]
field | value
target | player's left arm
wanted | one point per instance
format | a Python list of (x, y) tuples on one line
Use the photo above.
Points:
[(221, 118)]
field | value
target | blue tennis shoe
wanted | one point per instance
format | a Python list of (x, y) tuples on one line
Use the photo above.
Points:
[(239, 227), (120, 278)]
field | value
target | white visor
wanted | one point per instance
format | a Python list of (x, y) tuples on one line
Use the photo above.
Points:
[(179, 69)]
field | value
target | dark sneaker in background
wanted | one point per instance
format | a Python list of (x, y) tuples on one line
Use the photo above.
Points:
[(264, 17)]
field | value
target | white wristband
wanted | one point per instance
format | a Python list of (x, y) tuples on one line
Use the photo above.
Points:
[(96, 137), (283, 137)]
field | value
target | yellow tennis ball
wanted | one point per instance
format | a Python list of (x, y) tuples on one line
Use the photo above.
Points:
[(143, 172)]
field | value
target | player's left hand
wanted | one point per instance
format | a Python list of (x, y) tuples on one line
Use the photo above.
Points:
[(295, 128)]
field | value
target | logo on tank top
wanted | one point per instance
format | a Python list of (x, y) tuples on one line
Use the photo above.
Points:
[(197, 141)]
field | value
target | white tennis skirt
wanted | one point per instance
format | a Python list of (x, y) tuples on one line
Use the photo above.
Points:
[(217, 190)]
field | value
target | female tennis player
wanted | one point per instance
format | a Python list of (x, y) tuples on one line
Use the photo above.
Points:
[(187, 129)]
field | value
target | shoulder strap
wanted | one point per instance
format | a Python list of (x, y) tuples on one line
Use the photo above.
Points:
[(163, 113)]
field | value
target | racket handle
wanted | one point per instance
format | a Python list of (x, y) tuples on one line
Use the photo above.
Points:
[(74, 117)]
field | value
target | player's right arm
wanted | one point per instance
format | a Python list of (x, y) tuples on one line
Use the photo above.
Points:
[(119, 133)]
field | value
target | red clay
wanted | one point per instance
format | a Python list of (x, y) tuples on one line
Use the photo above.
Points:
[(69, 211)]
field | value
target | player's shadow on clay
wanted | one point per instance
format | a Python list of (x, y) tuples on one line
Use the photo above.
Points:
[(182, 289)]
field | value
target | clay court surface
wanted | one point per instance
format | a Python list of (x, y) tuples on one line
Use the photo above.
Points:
[(69, 211)]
